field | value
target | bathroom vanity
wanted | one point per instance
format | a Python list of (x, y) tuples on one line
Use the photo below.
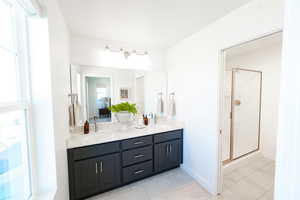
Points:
[(99, 162)]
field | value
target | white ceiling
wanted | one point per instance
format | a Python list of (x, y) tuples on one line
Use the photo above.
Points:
[(156, 23), (268, 41)]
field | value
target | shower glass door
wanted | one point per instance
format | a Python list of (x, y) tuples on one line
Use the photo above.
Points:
[(246, 105)]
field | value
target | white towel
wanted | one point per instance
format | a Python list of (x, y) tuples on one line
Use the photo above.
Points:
[(75, 115), (71, 116), (172, 107), (160, 105), (78, 114)]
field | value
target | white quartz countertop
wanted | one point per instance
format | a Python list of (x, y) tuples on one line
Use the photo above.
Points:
[(115, 133)]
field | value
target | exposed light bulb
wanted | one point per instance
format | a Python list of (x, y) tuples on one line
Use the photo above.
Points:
[(125, 59)]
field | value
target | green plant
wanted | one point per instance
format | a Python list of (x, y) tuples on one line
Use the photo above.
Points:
[(124, 107)]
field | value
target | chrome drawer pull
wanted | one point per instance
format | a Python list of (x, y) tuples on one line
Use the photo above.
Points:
[(96, 167), (139, 171), (139, 156), (139, 142), (101, 167)]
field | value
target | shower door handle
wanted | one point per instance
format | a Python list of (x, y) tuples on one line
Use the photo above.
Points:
[(237, 102)]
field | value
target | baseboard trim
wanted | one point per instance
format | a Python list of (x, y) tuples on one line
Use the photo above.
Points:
[(202, 181)]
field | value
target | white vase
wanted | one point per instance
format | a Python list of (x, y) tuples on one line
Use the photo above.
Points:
[(123, 117)]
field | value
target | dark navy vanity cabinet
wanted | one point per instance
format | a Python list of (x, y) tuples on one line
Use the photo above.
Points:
[(98, 168)]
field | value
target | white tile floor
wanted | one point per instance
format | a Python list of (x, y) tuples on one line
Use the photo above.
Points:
[(251, 179), (246, 181)]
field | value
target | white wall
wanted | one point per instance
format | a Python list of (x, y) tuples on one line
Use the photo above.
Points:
[(194, 74), (288, 149), (59, 61), (268, 61), (87, 51)]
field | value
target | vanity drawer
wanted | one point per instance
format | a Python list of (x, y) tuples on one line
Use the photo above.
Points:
[(138, 171), (95, 150), (172, 135), (136, 142), (137, 155)]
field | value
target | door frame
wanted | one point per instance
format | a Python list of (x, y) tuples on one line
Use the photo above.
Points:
[(85, 96), (221, 92), (232, 113)]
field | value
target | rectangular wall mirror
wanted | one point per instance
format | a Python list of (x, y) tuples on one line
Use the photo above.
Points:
[(95, 89)]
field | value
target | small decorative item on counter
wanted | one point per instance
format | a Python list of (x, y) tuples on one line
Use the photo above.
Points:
[(86, 127), (140, 122), (124, 111), (146, 120)]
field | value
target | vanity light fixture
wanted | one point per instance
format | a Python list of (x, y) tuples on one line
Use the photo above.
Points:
[(122, 58), (126, 53)]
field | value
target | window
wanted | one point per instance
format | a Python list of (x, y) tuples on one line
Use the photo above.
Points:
[(15, 176), (101, 93), (14, 167), (8, 55)]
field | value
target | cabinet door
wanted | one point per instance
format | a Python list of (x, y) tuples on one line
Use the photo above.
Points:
[(85, 177), (161, 156), (109, 171), (167, 155), (174, 153)]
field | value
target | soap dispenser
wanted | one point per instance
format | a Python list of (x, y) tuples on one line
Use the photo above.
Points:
[(86, 127), (146, 120)]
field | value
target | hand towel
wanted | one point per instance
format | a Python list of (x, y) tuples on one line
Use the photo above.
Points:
[(172, 106), (160, 105), (78, 114), (71, 116)]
